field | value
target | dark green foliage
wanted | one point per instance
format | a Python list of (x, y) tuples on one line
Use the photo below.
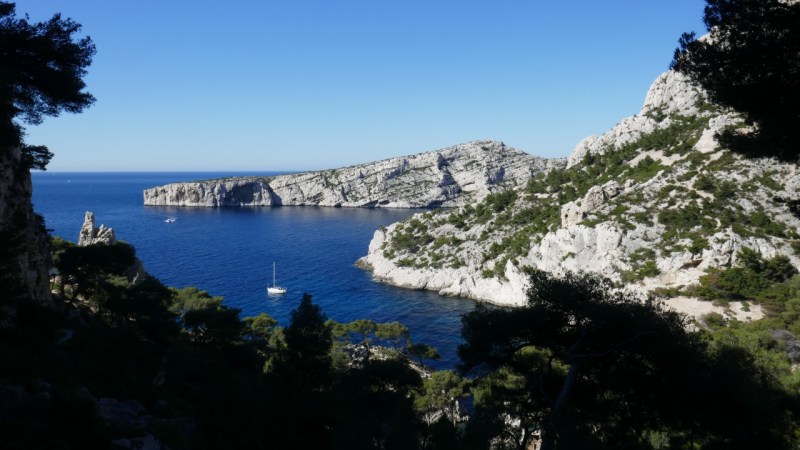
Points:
[(755, 279), (679, 137), (42, 66), (439, 393), (423, 352), (90, 270), (147, 304), (393, 335), (264, 335), (501, 201), (705, 183), (684, 219), (686, 176), (701, 217), (517, 244), (212, 324), (208, 379), (646, 168), (308, 342), (410, 237), (187, 359), (576, 360), (65, 419), (35, 157), (726, 190), (359, 332), (766, 180), (641, 271), (373, 408), (751, 63)]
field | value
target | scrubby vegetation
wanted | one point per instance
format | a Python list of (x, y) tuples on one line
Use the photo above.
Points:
[(754, 279), (186, 369)]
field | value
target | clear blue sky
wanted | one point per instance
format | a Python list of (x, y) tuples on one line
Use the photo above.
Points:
[(296, 84)]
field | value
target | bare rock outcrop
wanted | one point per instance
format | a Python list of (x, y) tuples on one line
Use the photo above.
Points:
[(573, 213), (671, 94), (92, 235)]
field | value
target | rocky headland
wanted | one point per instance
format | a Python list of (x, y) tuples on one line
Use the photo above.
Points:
[(449, 177), (653, 204)]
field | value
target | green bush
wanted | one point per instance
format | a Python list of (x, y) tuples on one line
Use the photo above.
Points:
[(755, 279)]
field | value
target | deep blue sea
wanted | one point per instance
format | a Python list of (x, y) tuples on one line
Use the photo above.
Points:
[(229, 251)]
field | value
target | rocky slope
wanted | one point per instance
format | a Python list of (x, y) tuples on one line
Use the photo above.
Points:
[(452, 176), (652, 203)]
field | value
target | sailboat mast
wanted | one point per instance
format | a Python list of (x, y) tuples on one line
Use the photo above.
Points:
[(273, 273)]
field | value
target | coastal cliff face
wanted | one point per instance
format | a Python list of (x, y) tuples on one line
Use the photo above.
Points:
[(24, 250), (653, 203), (449, 177)]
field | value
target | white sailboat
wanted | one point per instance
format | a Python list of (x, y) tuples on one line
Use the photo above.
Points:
[(275, 289)]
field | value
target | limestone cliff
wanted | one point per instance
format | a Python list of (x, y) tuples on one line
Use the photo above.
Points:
[(24, 251), (654, 202), (452, 176)]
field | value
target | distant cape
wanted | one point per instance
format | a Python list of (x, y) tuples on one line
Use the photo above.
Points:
[(448, 177)]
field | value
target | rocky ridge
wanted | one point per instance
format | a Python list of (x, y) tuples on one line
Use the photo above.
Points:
[(449, 177), (653, 203)]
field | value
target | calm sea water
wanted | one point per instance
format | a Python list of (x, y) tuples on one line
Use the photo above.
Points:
[(229, 251)]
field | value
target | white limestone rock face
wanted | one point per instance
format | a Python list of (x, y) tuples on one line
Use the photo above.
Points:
[(671, 93), (661, 213), (92, 235), (452, 282), (708, 142), (449, 177), (573, 213)]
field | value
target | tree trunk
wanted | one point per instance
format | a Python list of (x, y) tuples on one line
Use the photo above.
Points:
[(549, 431)]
